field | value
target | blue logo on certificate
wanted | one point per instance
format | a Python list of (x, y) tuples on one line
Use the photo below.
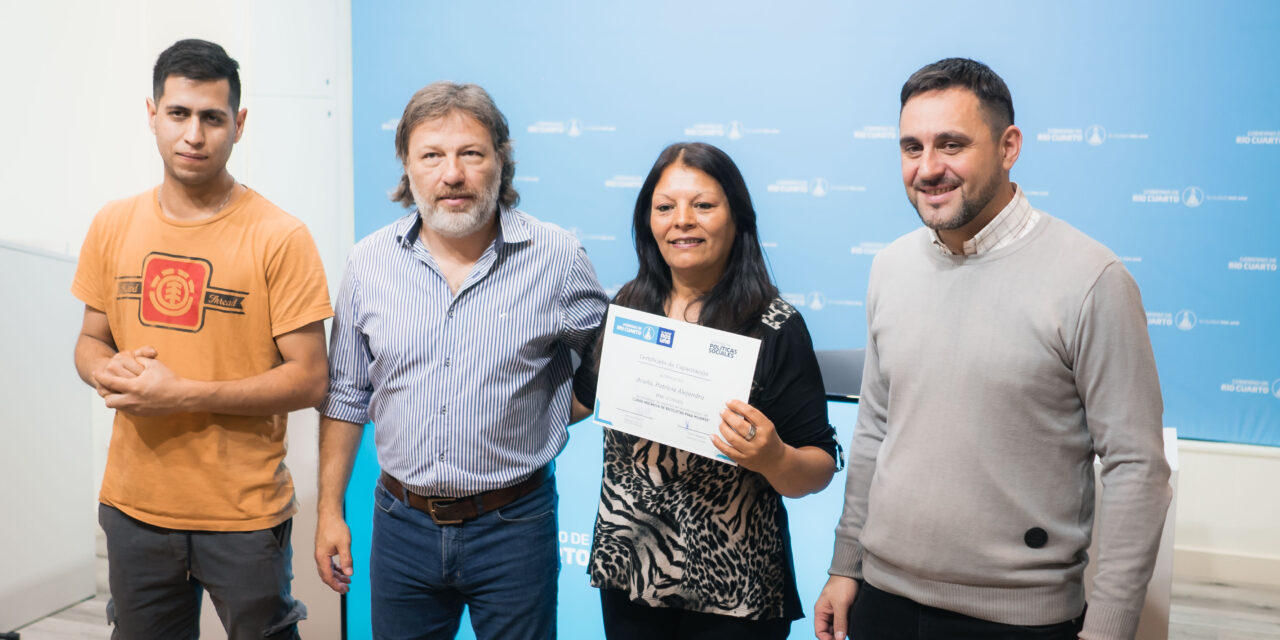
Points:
[(665, 337), (644, 332)]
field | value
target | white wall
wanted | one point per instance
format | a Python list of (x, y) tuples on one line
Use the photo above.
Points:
[(76, 136), (1228, 518), (75, 123), (46, 525)]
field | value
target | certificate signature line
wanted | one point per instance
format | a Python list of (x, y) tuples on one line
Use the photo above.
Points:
[(685, 428), (677, 371)]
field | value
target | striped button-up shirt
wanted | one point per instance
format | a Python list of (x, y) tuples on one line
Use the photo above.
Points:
[(468, 392), (1014, 221)]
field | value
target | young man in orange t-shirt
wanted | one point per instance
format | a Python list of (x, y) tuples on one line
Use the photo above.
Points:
[(203, 327)]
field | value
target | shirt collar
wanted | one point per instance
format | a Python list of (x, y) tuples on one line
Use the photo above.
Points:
[(1011, 221), (513, 227), (407, 229)]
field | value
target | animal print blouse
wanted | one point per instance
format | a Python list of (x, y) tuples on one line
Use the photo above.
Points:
[(676, 529)]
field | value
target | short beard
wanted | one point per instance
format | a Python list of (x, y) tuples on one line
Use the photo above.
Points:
[(970, 207), (450, 224)]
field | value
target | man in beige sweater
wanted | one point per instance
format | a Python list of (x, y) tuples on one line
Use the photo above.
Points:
[(1005, 349)]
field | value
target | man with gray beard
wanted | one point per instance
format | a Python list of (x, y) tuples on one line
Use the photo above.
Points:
[(453, 333)]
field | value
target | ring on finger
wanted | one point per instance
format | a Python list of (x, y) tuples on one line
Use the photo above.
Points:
[(751, 432)]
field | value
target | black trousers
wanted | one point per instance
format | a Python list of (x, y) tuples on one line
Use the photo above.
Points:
[(879, 615), (626, 620), (158, 577)]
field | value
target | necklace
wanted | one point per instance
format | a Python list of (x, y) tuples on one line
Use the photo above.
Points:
[(230, 192)]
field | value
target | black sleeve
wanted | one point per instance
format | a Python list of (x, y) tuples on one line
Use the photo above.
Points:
[(789, 387), (587, 375)]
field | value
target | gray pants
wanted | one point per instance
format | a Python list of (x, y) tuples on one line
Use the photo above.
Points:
[(158, 577)]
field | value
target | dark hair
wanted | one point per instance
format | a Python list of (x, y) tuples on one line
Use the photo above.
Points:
[(439, 99), (745, 290), (993, 93), (196, 60)]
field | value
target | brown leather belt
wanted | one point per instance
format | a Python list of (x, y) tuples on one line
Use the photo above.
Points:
[(444, 510)]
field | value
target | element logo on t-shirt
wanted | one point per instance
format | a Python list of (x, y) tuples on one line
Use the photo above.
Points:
[(174, 292)]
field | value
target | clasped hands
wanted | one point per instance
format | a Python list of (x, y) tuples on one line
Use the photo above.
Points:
[(136, 382)]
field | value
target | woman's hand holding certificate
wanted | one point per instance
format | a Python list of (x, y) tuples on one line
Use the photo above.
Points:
[(748, 438)]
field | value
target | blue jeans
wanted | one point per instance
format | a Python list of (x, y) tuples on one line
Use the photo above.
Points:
[(504, 566)]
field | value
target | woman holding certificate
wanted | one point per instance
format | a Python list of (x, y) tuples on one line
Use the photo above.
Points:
[(686, 545)]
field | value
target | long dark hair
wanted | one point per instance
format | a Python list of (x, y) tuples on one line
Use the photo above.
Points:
[(745, 290)]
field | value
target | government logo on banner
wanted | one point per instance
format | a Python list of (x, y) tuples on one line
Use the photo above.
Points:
[(1252, 263), (876, 132), (817, 187), (1251, 387), (571, 127), (1185, 320), (1192, 196), (867, 248), (733, 130), (1093, 135), (816, 301), (1259, 137)]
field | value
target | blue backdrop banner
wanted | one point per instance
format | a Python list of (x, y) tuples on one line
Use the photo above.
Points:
[(1153, 127)]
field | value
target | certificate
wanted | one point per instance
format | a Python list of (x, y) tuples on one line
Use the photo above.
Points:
[(668, 381)]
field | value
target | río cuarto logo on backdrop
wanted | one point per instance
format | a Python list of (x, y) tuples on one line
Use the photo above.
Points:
[(1191, 196), (732, 130), (1186, 320), (573, 127), (1094, 135)]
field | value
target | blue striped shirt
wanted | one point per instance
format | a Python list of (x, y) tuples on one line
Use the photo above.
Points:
[(467, 392)]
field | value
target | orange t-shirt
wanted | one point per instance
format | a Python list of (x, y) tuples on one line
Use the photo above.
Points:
[(211, 296)]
